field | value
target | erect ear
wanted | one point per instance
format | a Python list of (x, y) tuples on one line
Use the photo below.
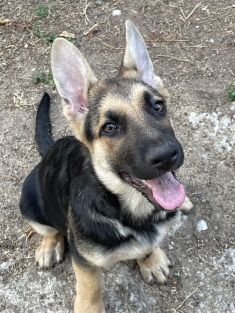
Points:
[(137, 58), (73, 77)]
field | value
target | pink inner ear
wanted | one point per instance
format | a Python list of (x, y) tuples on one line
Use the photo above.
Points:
[(78, 104)]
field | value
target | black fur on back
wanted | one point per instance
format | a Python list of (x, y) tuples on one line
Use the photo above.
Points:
[(43, 135)]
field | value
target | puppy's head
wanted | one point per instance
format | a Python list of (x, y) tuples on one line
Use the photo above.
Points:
[(123, 121)]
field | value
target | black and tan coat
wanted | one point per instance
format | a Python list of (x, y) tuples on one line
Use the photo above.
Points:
[(110, 189)]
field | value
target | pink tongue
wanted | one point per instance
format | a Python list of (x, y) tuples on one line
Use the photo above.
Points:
[(167, 191)]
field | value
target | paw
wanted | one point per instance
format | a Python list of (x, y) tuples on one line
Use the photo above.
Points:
[(91, 309), (156, 266), (82, 306), (50, 251), (186, 206)]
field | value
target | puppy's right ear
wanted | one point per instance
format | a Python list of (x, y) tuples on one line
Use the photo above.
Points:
[(73, 77)]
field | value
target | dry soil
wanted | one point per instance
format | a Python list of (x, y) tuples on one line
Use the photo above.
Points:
[(192, 45)]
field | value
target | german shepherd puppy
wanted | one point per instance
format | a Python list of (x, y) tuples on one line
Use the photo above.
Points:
[(111, 189)]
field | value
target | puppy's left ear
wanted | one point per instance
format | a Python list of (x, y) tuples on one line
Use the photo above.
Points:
[(136, 58)]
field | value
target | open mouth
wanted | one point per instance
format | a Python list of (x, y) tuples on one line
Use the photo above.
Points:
[(164, 191)]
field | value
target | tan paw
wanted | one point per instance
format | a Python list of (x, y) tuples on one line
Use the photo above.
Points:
[(82, 308), (50, 251), (155, 266), (186, 206)]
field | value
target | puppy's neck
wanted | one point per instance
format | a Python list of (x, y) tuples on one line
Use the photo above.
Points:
[(132, 201)]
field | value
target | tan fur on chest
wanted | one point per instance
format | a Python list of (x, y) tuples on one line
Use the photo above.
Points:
[(136, 248)]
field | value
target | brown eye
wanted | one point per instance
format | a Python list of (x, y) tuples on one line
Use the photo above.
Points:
[(153, 106), (110, 127), (158, 106)]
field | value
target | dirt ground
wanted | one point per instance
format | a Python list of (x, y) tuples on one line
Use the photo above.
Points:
[(192, 44)]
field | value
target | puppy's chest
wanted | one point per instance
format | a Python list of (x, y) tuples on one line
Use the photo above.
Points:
[(144, 238), (140, 245)]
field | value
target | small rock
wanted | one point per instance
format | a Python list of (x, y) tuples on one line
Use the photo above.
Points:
[(202, 225), (116, 13), (233, 106), (176, 274), (4, 266), (4, 21)]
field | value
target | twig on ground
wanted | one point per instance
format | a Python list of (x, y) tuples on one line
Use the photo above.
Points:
[(190, 295), (231, 72), (172, 58), (93, 29), (166, 40), (205, 261), (186, 17), (85, 12), (196, 46), (107, 45), (191, 248)]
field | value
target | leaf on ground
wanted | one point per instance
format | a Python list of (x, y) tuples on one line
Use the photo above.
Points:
[(45, 78), (231, 93), (66, 34)]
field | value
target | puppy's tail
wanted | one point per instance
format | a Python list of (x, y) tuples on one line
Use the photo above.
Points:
[(43, 135)]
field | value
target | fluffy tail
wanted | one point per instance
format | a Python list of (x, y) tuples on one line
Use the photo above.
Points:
[(43, 135)]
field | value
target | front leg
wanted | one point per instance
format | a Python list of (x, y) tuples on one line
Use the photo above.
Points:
[(88, 290), (186, 206), (155, 265)]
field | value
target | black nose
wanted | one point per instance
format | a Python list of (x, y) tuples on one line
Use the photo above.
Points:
[(163, 157)]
